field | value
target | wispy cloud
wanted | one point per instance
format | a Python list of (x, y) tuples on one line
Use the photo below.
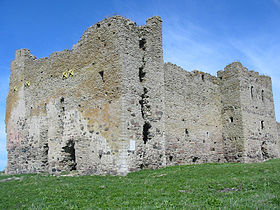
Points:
[(277, 2), (184, 45)]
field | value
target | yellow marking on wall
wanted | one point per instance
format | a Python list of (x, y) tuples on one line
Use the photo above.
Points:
[(65, 75), (27, 83), (71, 73)]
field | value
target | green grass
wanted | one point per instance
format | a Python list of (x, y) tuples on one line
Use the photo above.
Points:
[(207, 186)]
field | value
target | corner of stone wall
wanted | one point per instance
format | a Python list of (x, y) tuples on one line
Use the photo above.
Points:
[(232, 121)]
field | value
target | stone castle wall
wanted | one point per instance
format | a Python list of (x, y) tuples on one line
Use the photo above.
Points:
[(110, 105), (193, 125)]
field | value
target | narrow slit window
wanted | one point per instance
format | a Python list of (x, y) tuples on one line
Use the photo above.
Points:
[(262, 95), (252, 91), (202, 77), (187, 132), (231, 119), (262, 124)]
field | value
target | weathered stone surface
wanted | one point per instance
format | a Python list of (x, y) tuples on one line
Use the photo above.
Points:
[(110, 106)]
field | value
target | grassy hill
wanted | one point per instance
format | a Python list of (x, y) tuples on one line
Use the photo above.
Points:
[(234, 186)]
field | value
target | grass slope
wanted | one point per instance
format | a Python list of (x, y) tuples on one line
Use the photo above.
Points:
[(234, 186)]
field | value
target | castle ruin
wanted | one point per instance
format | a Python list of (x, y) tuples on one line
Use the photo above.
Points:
[(111, 105)]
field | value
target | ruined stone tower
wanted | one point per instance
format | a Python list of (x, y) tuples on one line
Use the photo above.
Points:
[(110, 106)]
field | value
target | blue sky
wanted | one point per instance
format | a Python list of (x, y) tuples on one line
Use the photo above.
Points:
[(197, 34)]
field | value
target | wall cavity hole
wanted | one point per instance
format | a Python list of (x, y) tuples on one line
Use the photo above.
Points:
[(141, 74), (98, 25), (45, 154), (170, 158), (142, 43), (264, 150), (231, 119), (194, 159), (146, 132), (61, 100), (101, 73), (187, 132)]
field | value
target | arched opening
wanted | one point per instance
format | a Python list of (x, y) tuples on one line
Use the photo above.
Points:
[(69, 155)]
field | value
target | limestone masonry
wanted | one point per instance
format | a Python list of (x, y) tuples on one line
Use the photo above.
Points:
[(110, 106)]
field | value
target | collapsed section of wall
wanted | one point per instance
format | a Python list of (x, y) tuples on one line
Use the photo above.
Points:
[(193, 125)]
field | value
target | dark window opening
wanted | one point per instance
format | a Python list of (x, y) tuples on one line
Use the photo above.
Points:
[(231, 119), (202, 77), (187, 132), (170, 158), (101, 73), (262, 124), (70, 156), (63, 109), (252, 91), (146, 132), (62, 100), (262, 95), (141, 74), (98, 25), (142, 43)]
